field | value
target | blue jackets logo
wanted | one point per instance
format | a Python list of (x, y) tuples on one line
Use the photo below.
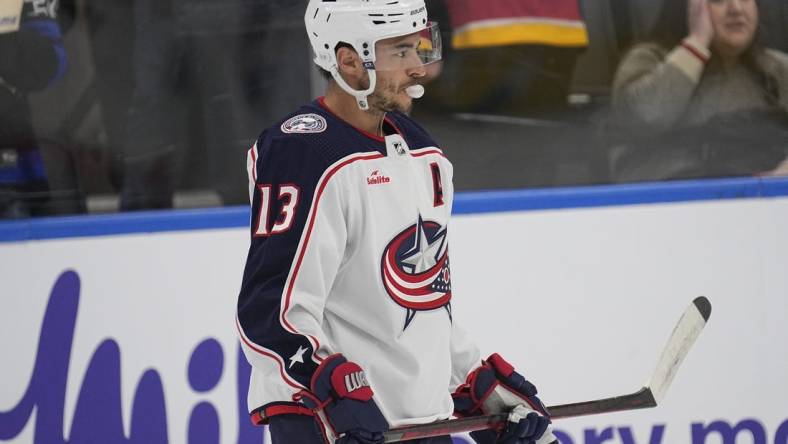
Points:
[(304, 123), (415, 269)]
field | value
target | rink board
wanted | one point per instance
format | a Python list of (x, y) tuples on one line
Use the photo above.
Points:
[(123, 325)]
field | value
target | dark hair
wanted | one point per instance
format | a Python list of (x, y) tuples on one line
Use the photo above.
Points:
[(671, 27), (325, 74)]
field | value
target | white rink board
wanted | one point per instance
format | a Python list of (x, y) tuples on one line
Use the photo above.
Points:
[(581, 301), (584, 301)]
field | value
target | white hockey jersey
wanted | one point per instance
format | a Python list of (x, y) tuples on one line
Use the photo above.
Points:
[(350, 254)]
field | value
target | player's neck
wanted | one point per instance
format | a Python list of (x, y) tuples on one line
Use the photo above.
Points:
[(344, 106)]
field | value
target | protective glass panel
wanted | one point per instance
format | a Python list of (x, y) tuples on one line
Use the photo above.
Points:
[(113, 106)]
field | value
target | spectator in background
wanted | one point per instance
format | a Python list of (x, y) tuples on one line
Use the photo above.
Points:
[(182, 104), (196, 69), (709, 97), (110, 34), (32, 58)]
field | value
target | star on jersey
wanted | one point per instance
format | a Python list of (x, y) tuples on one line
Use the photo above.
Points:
[(415, 269), (298, 356), (424, 254)]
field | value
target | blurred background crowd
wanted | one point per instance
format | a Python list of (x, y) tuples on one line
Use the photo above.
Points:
[(120, 105)]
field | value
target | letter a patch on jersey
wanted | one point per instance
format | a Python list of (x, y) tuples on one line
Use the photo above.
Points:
[(437, 185)]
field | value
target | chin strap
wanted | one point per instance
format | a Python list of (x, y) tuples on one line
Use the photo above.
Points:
[(361, 96)]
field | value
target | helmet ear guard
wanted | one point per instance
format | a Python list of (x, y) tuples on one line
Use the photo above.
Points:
[(360, 95), (360, 24)]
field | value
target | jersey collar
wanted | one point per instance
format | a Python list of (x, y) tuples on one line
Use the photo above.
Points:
[(322, 103)]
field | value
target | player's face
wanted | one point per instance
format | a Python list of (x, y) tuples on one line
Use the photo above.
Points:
[(398, 67), (735, 23)]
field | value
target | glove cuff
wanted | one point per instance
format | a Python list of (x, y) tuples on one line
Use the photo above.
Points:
[(338, 378), (469, 397), (342, 400)]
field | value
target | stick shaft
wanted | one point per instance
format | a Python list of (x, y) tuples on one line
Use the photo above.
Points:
[(447, 427), (681, 340), (637, 400)]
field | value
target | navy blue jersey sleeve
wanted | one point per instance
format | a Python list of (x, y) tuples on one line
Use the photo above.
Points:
[(296, 242)]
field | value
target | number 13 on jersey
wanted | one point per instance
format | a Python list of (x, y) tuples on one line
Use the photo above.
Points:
[(287, 197)]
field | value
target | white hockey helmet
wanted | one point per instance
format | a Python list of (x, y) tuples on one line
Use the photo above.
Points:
[(361, 24)]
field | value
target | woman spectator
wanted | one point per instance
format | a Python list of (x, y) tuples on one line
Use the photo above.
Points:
[(703, 66)]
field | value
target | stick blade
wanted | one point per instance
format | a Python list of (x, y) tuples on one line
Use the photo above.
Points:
[(681, 340), (704, 307)]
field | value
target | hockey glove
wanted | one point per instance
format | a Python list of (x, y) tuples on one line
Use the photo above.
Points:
[(495, 387), (341, 399)]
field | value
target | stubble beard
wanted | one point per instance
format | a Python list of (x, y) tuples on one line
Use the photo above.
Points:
[(384, 99)]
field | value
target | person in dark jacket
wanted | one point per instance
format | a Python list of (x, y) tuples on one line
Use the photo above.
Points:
[(33, 58)]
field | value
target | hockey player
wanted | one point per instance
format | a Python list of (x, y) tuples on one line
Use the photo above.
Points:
[(344, 310)]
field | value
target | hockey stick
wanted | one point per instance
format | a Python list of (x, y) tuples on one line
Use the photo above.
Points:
[(684, 335)]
